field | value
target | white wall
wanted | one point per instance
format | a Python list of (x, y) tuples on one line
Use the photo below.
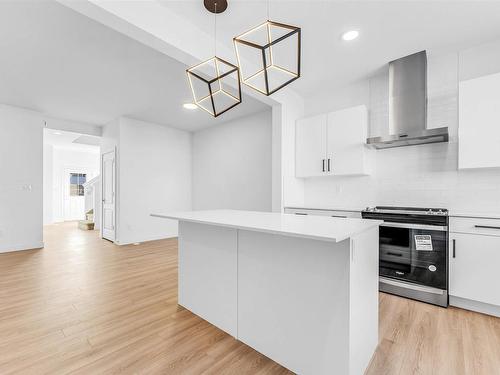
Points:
[(154, 176), (21, 182), (232, 165), (423, 175)]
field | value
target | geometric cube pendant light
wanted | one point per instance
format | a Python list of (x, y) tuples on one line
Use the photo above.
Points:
[(269, 56), (212, 85), (215, 83)]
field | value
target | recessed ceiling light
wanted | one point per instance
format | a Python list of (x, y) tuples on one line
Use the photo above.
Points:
[(190, 106), (350, 35), (57, 133)]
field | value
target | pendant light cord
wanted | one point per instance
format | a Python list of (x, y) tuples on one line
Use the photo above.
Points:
[(268, 17), (215, 29)]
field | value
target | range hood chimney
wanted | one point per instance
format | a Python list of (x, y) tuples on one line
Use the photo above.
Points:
[(408, 106)]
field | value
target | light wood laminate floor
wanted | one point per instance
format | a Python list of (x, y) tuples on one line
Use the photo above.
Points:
[(83, 305)]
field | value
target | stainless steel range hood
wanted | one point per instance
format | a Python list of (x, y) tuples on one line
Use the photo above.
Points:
[(408, 106)]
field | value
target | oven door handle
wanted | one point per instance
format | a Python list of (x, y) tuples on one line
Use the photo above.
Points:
[(440, 228)]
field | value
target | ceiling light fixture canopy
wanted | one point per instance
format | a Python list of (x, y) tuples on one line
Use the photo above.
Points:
[(213, 81), (269, 55)]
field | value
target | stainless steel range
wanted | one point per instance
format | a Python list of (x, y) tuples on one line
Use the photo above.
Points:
[(413, 252)]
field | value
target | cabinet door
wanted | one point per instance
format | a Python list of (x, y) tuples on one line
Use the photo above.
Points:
[(474, 267), (346, 136), (310, 146), (479, 122)]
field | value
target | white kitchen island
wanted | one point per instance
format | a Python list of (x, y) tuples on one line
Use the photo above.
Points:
[(302, 290)]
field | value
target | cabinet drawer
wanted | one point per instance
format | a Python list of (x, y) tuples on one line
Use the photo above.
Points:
[(490, 227), (332, 213)]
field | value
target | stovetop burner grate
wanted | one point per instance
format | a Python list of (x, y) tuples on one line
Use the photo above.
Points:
[(407, 210)]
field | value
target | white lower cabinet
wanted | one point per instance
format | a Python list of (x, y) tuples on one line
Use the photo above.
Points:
[(474, 258), (474, 267)]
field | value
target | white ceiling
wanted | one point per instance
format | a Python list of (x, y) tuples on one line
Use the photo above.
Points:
[(71, 141), (388, 30), (66, 65)]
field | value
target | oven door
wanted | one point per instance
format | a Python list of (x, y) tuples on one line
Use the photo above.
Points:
[(415, 253)]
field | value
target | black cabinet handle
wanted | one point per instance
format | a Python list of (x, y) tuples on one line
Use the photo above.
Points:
[(328, 165), (454, 248), (395, 254), (486, 226), (300, 213), (344, 217), (323, 165)]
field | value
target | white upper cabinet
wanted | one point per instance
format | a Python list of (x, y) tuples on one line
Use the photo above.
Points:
[(346, 137), (310, 146), (332, 144), (479, 122)]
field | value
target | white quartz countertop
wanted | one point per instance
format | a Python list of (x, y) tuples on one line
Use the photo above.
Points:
[(312, 227)]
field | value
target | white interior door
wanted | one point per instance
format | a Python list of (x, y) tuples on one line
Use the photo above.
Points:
[(108, 196)]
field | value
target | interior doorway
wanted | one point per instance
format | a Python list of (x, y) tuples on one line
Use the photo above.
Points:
[(74, 180), (71, 174)]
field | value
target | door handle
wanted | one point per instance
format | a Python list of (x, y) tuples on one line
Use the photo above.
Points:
[(328, 164), (323, 165), (454, 248)]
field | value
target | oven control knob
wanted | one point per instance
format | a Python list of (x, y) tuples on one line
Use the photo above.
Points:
[(432, 268)]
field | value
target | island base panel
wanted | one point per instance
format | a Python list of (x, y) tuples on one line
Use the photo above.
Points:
[(310, 305), (293, 301), (208, 273)]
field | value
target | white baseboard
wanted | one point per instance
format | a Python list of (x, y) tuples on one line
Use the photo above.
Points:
[(481, 307), (21, 247)]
